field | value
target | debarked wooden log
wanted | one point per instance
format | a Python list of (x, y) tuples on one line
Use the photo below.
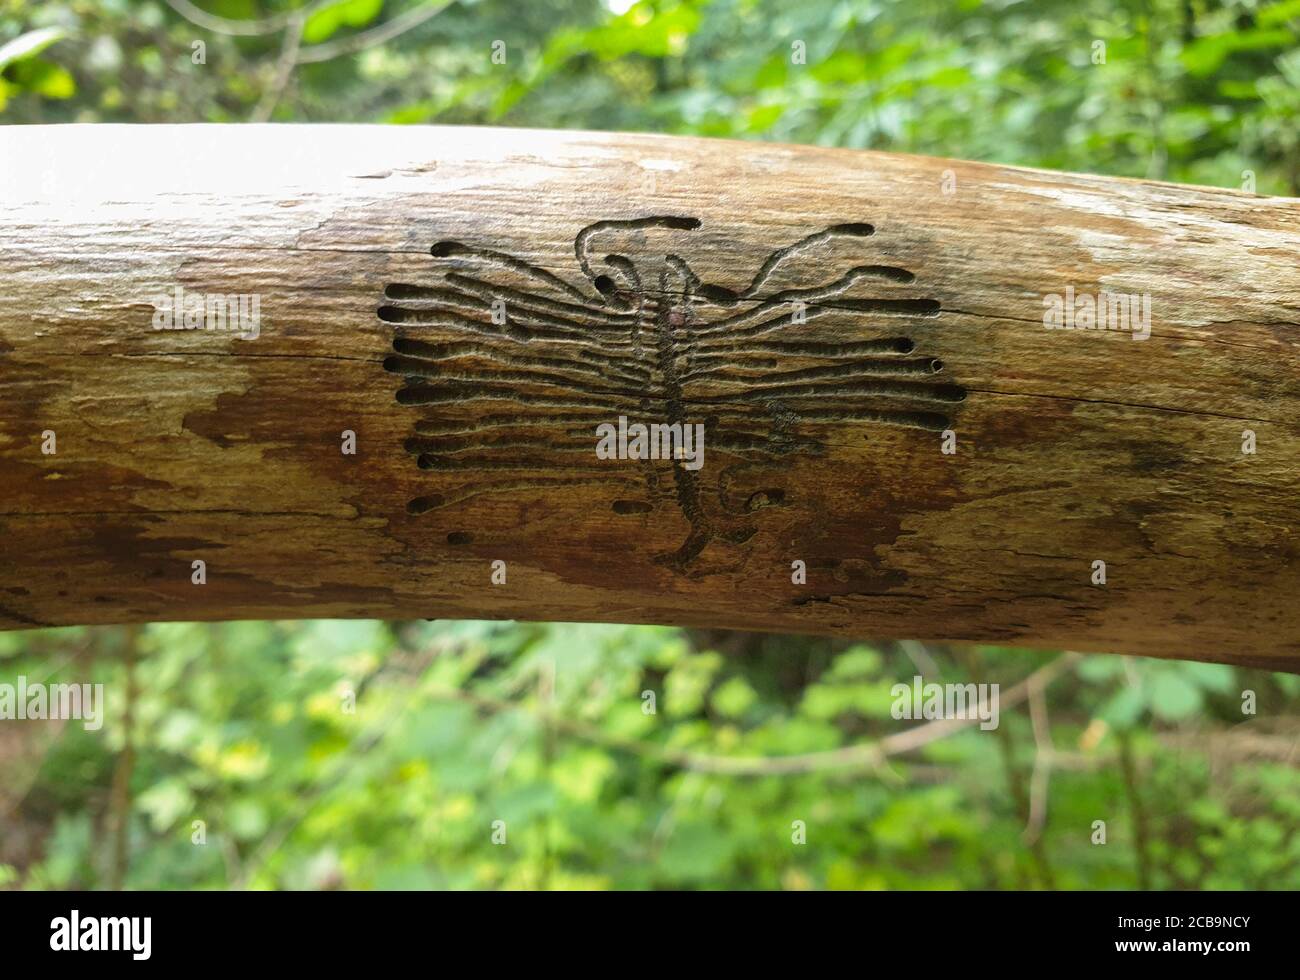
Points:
[(344, 371)]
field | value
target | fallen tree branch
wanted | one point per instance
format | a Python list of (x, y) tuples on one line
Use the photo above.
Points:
[(401, 372)]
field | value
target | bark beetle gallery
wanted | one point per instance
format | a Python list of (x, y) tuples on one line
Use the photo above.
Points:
[(450, 322), (644, 334)]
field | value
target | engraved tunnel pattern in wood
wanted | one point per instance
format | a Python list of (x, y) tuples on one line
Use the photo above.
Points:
[(519, 366)]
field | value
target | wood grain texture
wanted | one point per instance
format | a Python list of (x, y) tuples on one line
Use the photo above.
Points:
[(826, 315)]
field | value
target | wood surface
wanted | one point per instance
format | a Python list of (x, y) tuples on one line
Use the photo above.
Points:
[(473, 303)]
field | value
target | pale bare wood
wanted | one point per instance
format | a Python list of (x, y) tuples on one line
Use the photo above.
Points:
[(822, 438)]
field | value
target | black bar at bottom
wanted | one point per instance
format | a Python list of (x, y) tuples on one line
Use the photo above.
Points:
[(216, 930)]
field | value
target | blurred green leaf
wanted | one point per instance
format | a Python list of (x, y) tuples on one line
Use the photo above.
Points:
[(28, 44), (1173, 696), (327, 20)]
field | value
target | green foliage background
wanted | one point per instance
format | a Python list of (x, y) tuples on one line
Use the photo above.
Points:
[(247, 727)]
